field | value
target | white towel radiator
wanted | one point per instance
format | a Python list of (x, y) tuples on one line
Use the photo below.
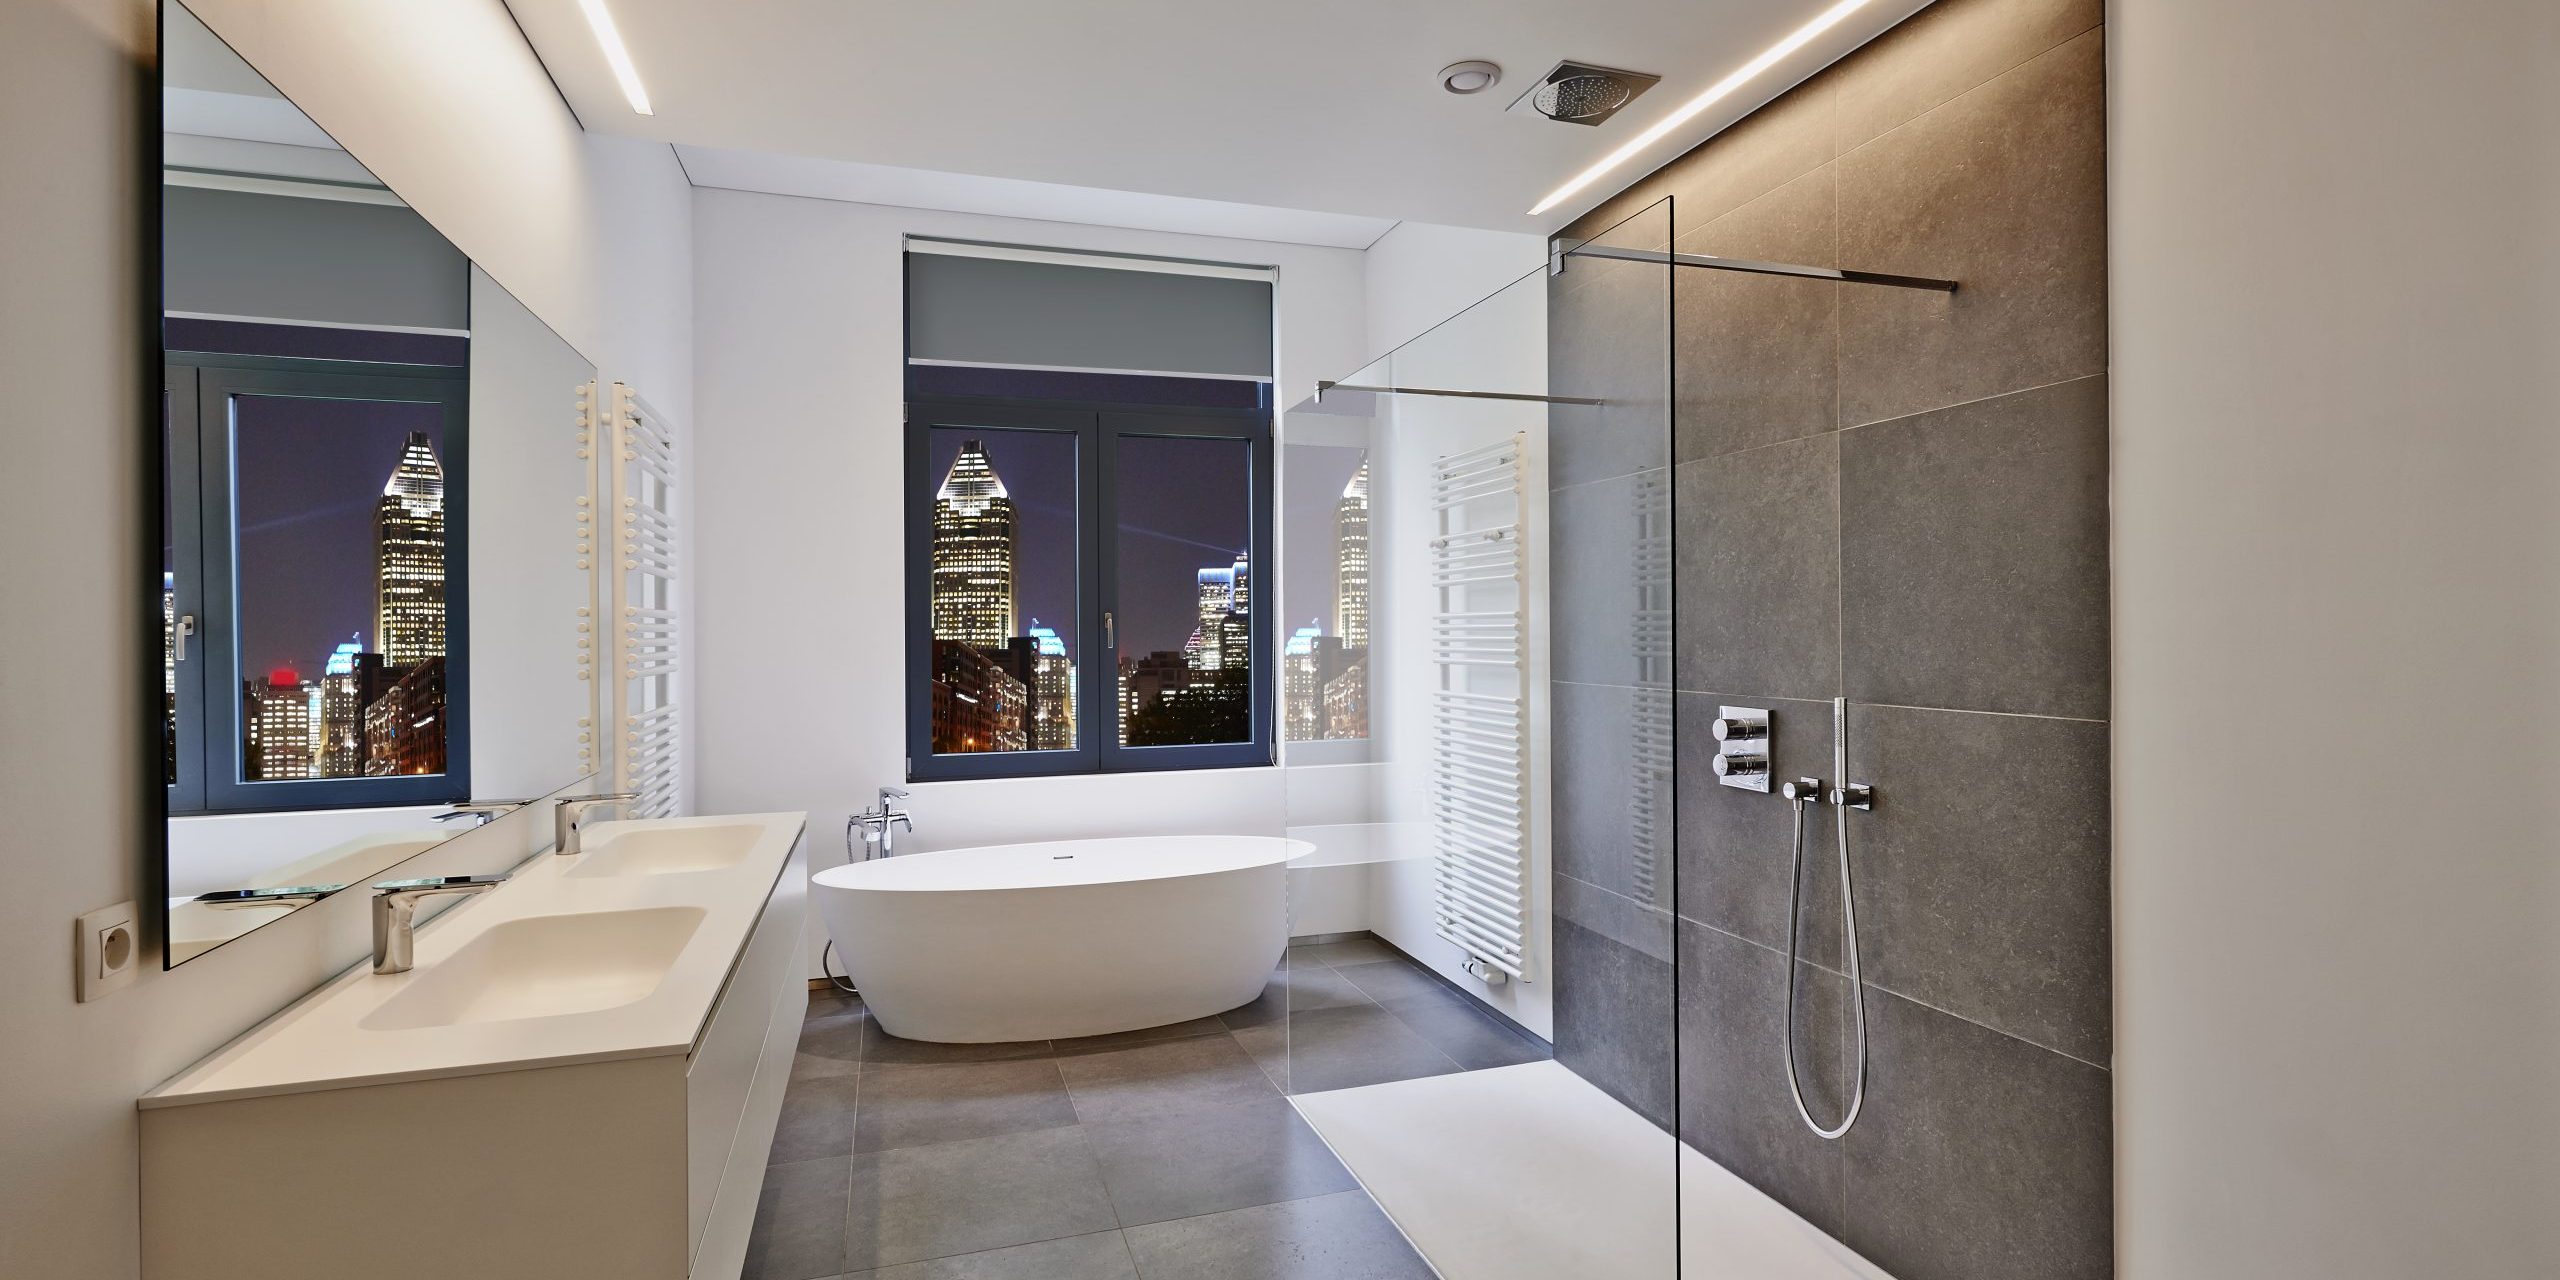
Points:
[(1479, 726)]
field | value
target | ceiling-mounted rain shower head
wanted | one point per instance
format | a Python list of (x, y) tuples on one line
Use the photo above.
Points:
[(1580, 93)]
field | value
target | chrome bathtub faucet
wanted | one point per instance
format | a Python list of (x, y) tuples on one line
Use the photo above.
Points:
[(879, 826)]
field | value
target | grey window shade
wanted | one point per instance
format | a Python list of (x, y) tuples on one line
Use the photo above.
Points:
[(1004, 311), (239, 253)]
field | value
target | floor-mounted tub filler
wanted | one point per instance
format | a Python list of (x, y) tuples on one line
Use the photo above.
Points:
[(1060, 939)]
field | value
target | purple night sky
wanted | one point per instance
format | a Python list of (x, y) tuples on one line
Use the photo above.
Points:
[(1167, 535), (309, 473)]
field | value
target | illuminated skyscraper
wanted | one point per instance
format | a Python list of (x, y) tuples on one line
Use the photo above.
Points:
[(408, 546), (341, 719), (279, 713), (1053, 691), (973, 553), (1222, 640), (1351, 561), (1301, 688)]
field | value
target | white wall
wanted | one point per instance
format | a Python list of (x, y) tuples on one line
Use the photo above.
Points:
[(801, 601), (440, 98), (2337, 638)]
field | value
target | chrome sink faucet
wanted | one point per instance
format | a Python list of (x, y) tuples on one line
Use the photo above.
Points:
[(480, 813), (880, 826), (395, 914), (568, 815)]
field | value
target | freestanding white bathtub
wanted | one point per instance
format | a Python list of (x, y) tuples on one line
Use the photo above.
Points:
[(1068, 938)]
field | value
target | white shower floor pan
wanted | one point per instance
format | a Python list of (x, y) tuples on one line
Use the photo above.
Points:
[(1532, 1173)]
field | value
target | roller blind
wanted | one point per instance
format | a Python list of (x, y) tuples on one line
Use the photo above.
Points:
[(235, 253), (1046, 310)]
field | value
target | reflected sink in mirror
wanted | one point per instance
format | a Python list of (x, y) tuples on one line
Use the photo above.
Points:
[(543, 966), (665, 851)]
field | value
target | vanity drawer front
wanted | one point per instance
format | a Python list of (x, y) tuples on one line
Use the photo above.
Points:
[(723, 1066)]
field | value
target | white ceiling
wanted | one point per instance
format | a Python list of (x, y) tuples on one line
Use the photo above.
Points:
[(1327, 106)]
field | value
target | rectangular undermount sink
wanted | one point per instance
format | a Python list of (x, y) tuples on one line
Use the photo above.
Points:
[(667, 851), (544, 966)]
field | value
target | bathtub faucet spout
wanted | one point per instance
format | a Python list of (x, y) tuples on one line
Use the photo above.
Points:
[(879, 826)]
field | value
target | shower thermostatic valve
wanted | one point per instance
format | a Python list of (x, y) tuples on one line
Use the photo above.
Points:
[(1742, 748)]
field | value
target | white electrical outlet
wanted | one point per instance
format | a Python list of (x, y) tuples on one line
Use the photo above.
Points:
[(110, 950)]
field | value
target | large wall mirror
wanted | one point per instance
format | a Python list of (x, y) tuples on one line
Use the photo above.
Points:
[(372, 592)]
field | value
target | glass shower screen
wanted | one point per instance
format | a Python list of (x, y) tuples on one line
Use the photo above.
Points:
[(1478, 1014)]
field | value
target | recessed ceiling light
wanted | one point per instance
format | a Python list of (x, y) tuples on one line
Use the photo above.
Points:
[(1715, 93), (1470, 77), (619, 58)]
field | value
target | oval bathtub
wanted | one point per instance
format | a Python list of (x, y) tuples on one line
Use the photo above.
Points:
[(1061, 939)]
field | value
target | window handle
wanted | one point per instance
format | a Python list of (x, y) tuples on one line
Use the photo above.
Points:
[(1110, 643), (186, 627)]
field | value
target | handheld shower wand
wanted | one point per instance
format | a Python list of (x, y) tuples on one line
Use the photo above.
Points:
[(1842, 797)]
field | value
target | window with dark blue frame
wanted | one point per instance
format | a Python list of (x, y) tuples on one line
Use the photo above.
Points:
[(1088, 580), (311, 581)]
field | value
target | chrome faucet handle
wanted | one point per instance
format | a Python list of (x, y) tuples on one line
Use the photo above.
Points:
[(395, 914), (888, 794), (570, 811)]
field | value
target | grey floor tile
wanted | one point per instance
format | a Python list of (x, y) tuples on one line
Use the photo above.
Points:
[(920, 1106), (1974, 557), (1295, 986), (1208, 1026), (1153, 1079), (1347, 951), (817, 1118), (825, 1004), (1983, 880), (1344, 1048), (1391, 979), (880, 1049), (834, 1042), (1473, 1038), (1952, 1176), (1210, 1160), (1336, 1237), (918, 1203), (799, 1226), (1100, 1256)]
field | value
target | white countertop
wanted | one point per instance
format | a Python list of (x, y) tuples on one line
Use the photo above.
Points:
[(318, 1042)]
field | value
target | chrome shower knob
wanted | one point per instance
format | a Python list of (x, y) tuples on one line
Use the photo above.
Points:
[(1854, 795), (1728, 729), (1803, 790), (1740, 766)]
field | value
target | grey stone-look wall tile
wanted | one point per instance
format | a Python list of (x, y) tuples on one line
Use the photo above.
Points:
[(1759, 570), (2004, 191), (1983, 870), (1593, 585), (1974, 555), (1614, 1020), (1609, 338), (1734, 1103), (1593, 744), (1756, 356), (1944, 50), (1734, 844), (1615, 916), (1978, 1156), (1780, 142)]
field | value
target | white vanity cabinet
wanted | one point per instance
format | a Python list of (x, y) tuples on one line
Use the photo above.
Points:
[(396, 1127)]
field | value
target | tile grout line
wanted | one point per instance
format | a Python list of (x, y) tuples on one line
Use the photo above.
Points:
[(1905, 997)]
